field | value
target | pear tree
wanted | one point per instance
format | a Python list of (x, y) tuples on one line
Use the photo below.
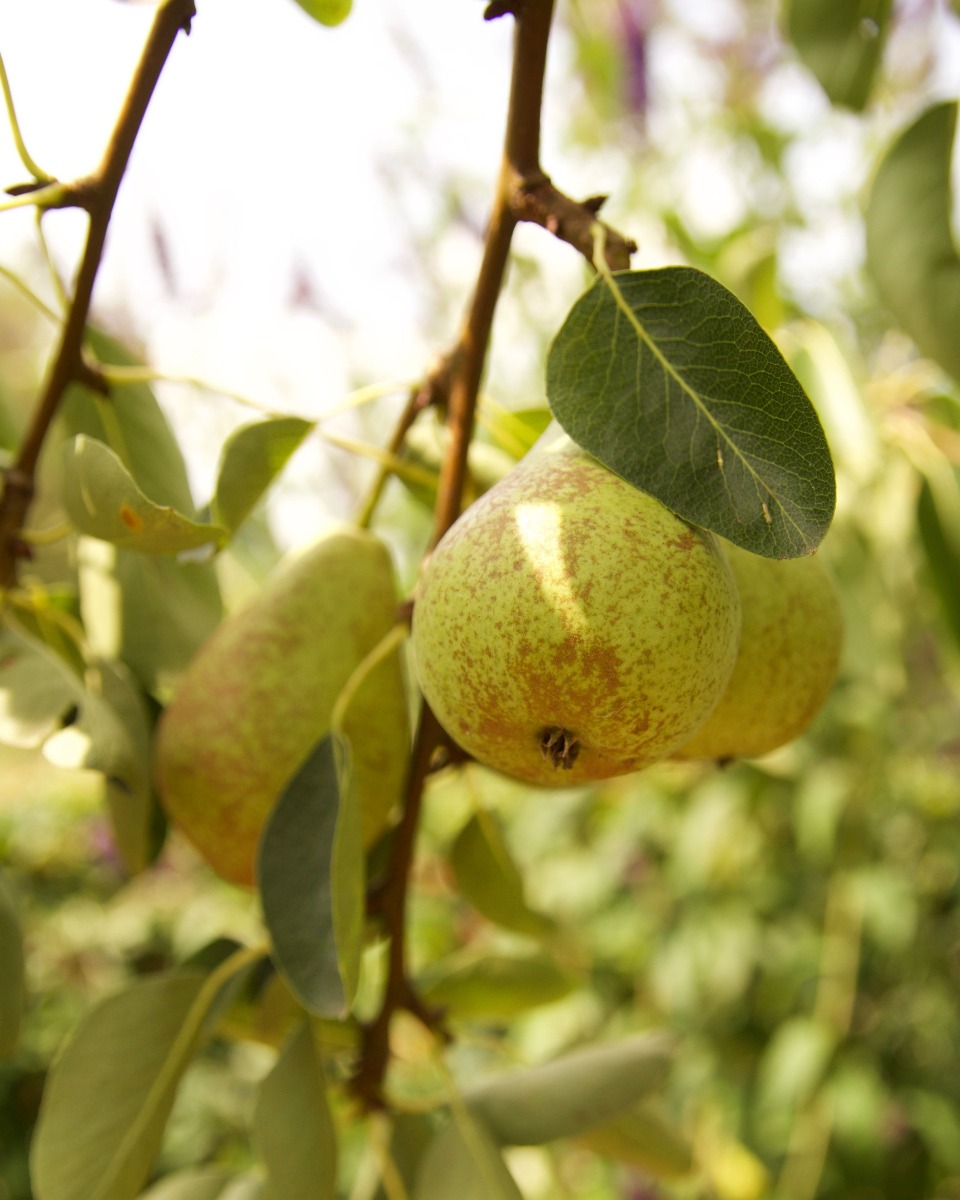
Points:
[(620, 602)]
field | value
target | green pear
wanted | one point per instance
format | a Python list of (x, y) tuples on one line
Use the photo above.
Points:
[(569, 628), (261, 691), (790, 646)]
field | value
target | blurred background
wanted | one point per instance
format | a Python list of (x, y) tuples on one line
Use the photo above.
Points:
[(302, 219)]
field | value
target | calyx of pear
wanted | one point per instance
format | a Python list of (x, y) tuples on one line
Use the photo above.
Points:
[(570, 628), (790, 645), (260, 694)]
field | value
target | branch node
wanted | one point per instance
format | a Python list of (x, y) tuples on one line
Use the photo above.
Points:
[(501, 8)]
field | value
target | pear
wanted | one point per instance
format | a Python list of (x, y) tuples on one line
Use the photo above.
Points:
[(570, 628), (260, 693), (790, 645)]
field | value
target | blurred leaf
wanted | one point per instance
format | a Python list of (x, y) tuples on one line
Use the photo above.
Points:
[(841, 42), (114, 717), (642, 1138), (292, 1125), (111, 732), (252, 458), (327, 12), (675, 387), (497, 986), (584, 1089), (311, 879), (424, 448), (12, 969), (131, 418), (153, 613), (792, 1067), (488, 877), (939, 528), (206, 1183), (513, 431), (110, 1092), (910, 248), (36, 690), (736, 1173), (103, 501), (410, 1136), (464, 1162)]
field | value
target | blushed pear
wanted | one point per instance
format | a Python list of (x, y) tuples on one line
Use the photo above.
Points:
[(570, 628), (790, 646), (261, 691)]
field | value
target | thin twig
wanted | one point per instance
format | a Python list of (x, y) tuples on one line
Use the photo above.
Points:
[(98, 195)]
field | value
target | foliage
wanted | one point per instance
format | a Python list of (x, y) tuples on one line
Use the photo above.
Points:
[(695, 982)]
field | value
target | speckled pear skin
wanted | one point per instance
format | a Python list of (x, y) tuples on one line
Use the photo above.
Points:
[(260, 693), (790, 646), (566, 599)]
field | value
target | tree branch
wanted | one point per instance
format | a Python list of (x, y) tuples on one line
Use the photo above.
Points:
[(97, 195)]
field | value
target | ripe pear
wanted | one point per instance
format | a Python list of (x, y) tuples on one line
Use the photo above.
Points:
[(260, 694), (570, 628), (790, 646)]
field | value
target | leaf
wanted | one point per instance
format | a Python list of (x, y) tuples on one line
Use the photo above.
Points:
[(133, 419), (464, 1161), (671, 383), (36, 690), (841, 42), (111, 732), (109, 1093), (411, 1134), (292, 1125), (497, 986), (327, 12), (206, 1183), (153, 613), (488, 877), (910, 248), (642, 1138), (252, 458), (570, 1095), (311, 879), (12, 971), (939, 524), (114, 717), (103, 501)]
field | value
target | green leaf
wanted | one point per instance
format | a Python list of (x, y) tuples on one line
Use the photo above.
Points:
[(292, 1125), (103, 501), (938, 519), (327, 12), (109, 1094), (643, 1138), (36, 690), (114, 717), (488, 877), (111, 732), (153, 613), (206, 1183), (497, 986), (464, 1161), (311, 879), (252, 458), (132, 424), (910, 248), (583, 1089), (841, 42), (411, 1134), (12, 971), (670, 382)]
